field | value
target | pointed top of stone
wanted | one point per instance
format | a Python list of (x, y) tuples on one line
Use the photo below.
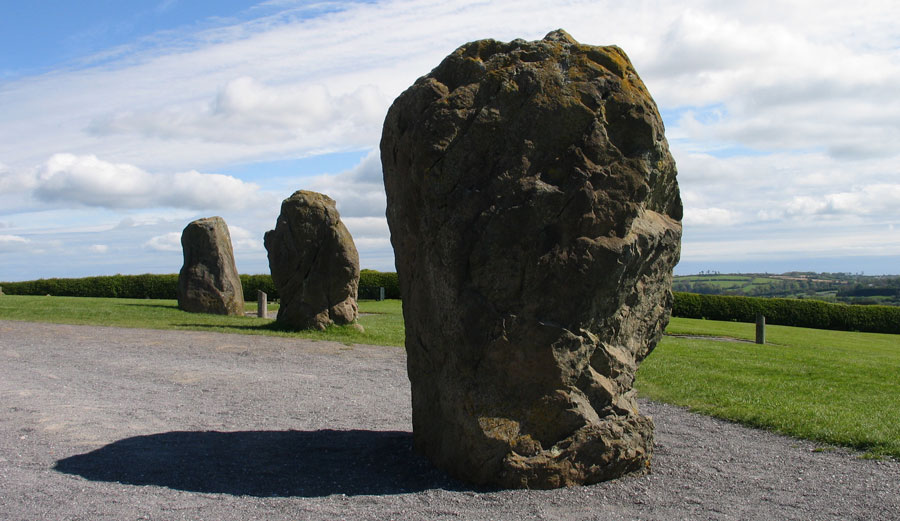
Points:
[(560, 35)]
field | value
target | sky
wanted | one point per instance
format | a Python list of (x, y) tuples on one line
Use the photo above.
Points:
[(121, 122)]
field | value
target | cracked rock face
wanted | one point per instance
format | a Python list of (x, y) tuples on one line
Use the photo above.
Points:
[(535, 218), (208, 281), (314, 263)]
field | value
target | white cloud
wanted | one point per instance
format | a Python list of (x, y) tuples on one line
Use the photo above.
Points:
[(14, 181), (243, 240), (358, 192), (370, 234), (772, 85), (98, 248), (248, 112), (87, 180), (168, 242), (9, 243), (709, 217), (813, 242), (880, 199)]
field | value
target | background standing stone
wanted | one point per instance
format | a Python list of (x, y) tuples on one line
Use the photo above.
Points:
[(535, 218), (209, 280), (314, 263)]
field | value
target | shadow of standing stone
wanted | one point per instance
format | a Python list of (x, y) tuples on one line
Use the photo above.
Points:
[(535, 218), (209, 280)]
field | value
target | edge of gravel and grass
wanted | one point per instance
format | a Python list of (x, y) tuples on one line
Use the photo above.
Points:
[(833, 387)]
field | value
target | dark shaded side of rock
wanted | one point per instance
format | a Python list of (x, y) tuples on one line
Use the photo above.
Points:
[(314, 263), (208, 281), (535, 218)]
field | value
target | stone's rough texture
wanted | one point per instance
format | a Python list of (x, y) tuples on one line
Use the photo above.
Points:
[(314, 263), (209, 281), (535, 218)]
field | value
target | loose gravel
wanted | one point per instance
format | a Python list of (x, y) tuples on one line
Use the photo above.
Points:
[(112, 423)]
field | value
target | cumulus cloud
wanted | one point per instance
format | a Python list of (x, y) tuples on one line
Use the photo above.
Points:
[(88, 180), (370, 233), (709, 217), (168, 242), (249, 112), (359, 192), (879, 200), (774, 86), (243, 240)]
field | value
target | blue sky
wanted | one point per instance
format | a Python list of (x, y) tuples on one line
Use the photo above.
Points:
[(124, 121)]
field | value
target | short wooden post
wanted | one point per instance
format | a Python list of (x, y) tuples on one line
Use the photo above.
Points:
[(262, 305), (760, 328)]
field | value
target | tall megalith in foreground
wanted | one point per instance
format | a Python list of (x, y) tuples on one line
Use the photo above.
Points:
[(208, 281), (535, 218), (314, 263)]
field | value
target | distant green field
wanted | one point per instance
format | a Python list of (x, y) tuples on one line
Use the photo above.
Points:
[(834, 387), (845, 288)]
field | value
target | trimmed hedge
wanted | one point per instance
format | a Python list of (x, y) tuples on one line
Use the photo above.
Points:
[(165, 286), (250, 284), (789, 312), (371, 279), (112, 286)]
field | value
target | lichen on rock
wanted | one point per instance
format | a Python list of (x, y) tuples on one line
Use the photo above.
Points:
[(535, 217)]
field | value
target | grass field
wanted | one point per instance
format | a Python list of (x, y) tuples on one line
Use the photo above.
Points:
[(383, 321), (834, 387)]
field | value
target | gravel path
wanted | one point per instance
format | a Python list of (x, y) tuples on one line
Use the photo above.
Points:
[(110, 423)]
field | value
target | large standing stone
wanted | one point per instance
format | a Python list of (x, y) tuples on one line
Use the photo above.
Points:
[(535, 219), (209, 281), (314, 263)]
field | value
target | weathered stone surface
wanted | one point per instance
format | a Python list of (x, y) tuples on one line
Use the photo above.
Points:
[(314, 263), (535, 218), (209, 280)]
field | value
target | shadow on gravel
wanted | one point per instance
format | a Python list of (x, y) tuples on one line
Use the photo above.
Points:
[(266, 463)]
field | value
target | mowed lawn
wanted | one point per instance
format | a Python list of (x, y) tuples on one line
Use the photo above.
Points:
[(383, 321), (834, 387)]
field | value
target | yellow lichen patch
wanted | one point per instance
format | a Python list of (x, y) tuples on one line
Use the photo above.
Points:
[(499, 428)]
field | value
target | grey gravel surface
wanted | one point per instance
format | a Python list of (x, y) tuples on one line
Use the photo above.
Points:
[(111, 423)]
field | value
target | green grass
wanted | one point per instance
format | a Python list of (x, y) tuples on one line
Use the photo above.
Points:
[(383, 321), (833, 387), (837, 388)]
